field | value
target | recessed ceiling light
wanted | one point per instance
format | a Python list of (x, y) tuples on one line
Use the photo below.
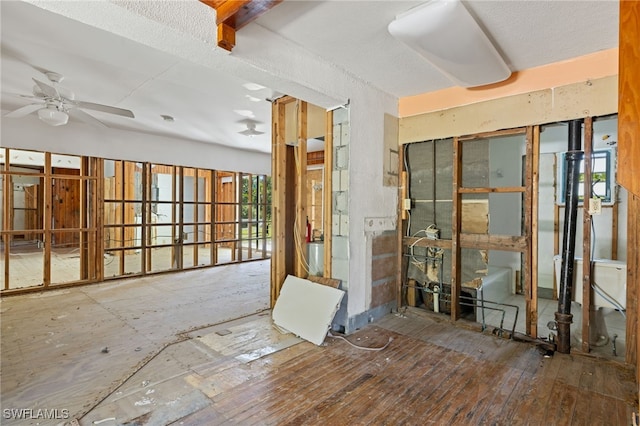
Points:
[(253, 98), (167, 117), (253, 86), (244, 112)]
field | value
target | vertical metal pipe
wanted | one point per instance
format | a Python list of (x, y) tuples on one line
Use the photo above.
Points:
[(572, 163)]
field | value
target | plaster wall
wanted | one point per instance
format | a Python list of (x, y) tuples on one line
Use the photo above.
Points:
[(30, 133), (368, 198)]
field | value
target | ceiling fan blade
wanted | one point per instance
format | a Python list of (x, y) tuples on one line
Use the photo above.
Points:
[(19, 95), (105, 108), (48, 90), (24, 111), (87, 118)]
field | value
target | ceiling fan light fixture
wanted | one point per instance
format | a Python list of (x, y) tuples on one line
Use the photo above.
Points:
[(53, 117), (251, 130), (445, 33)]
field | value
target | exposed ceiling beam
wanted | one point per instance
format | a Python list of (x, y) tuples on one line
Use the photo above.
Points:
[(231, 15)]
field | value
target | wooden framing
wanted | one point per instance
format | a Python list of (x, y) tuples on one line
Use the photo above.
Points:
[(531, 312), (301, 268), (46, 279), (99, 219), (231, 15), (456, 227), (402, 230), (85, 191), (282, 251), (629, 162), (533, 247), (460, 238), (629, 97), (586, 235)]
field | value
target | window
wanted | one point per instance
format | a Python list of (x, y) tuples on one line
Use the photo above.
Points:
[(602, 177)]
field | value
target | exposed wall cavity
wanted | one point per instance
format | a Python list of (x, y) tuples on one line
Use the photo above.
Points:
[(430, 176)]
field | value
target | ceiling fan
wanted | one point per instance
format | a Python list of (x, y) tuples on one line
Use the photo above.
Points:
[(54, 104), (251, 129)]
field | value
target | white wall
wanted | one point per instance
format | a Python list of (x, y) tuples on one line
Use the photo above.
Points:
[(83, 139)]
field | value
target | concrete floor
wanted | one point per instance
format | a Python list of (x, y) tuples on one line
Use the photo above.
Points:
[(69, 349)]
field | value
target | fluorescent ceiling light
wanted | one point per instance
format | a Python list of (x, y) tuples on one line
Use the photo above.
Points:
[(446, 34), (53, 117)]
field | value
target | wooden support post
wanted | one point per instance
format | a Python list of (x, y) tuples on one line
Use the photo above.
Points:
[(238, 215), (99, 218), (301, 267), (456, 227), (279, 206), (628, 173), (533, 139), (401, 229), (586, 236), (84, 193), (48, 209)]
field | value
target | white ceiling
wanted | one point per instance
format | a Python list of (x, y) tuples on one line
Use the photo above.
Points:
[(206, 96)]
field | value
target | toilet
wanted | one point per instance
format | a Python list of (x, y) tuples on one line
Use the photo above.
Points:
[(610, 276)]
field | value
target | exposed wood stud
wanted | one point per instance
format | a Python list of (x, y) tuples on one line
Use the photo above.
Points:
[(47, 219), (504, 189), (530, 311), (533, 247), (301, 267), (99, 219), (586, 236), (628, 173), (456, 225), (402, 231), (486, 135)]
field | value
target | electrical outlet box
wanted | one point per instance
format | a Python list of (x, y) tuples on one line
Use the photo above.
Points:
[(432, 233), (406, 204), (595, 206)]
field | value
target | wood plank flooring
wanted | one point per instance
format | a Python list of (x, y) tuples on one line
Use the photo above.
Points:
[(431, 373), (177, 357)]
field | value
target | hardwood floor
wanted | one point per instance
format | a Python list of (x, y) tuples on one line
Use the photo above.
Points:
[(432, 373), (177, 356)]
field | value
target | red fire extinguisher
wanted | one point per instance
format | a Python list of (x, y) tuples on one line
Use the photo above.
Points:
[(308, 234)]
